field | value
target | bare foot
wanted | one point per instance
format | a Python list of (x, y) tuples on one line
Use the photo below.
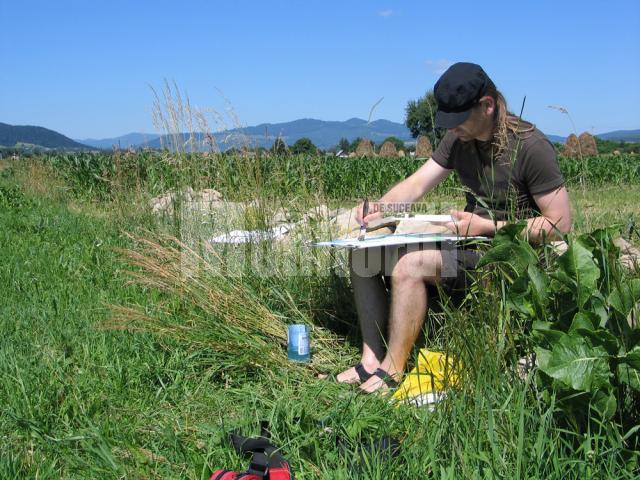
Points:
[(349, 376), (355, 375)]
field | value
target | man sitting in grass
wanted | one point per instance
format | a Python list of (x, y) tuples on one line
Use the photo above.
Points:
[(509, 170)]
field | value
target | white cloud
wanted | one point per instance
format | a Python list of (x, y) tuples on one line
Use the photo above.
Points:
[(385, 13), (439, 66)]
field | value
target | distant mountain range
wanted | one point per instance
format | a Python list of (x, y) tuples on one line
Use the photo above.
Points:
[(28, 136), (615, 136), (556, 138), (621, 136), (129, 140), (324, 134)]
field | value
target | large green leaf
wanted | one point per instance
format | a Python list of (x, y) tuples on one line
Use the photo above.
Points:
[(604, 402), (539, 281), (600, 244), (626, 297), (518, 296), (577, 264), (597, 305), (522, 304), (632, 357), (584, 321), (602, 235), (600, 238), (542, 357), (629, 376), (622, 301), (576, 363), (539, 288), (529, 293), (547, 331), (519, 255), (603, 338), (509, 233)]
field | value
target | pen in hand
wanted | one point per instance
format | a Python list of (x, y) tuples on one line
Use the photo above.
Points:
[(363, 227)]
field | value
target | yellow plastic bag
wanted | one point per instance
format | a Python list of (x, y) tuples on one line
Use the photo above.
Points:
[(425, 384)]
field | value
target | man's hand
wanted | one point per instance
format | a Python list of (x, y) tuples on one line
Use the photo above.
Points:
[(374, 212), (467, 224)]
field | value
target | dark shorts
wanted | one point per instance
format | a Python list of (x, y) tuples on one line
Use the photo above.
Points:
[(457, 275), (456, 287)]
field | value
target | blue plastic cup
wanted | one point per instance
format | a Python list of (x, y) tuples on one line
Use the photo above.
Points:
[(298, 343)]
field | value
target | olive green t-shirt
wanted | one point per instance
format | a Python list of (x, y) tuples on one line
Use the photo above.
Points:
[(502, 184)]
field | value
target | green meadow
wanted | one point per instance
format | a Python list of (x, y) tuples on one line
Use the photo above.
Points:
[(130, 350)]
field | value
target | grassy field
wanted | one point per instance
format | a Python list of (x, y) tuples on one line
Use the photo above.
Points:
[(102, 377)]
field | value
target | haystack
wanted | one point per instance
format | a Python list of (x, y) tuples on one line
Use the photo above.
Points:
[(571, 146), (365, 148), (388, 149), (424, 148), (588, 144)]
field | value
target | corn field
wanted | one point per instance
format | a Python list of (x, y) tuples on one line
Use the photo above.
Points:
[(331, 177)]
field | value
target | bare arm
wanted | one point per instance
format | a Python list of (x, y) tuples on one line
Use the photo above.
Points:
[(556, 216), (411, 189), (554, 221)]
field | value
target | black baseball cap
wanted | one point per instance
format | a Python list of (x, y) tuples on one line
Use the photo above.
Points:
[(457, 91)]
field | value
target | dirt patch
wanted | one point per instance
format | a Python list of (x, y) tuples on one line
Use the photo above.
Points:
[(202, 200)]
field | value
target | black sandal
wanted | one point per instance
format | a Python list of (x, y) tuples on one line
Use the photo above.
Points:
[(363, 375), (388, 380)]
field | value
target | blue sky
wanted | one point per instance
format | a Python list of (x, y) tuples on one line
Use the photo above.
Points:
[(85, 68)]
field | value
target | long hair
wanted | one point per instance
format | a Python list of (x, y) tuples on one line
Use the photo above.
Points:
[(505, 121)]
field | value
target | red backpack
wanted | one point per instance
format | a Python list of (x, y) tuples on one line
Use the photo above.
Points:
[(266, 462)]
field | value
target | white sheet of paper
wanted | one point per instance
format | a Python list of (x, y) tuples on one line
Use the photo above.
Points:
[(391, 240), (434, 218)]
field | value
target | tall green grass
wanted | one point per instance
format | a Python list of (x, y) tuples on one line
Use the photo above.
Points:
[(84, 401)]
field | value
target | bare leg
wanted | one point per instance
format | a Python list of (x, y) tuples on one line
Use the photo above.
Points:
[(408, 309)]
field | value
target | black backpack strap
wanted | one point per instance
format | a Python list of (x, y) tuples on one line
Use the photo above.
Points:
[(249, 445), (265, 453), (259, 465)]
